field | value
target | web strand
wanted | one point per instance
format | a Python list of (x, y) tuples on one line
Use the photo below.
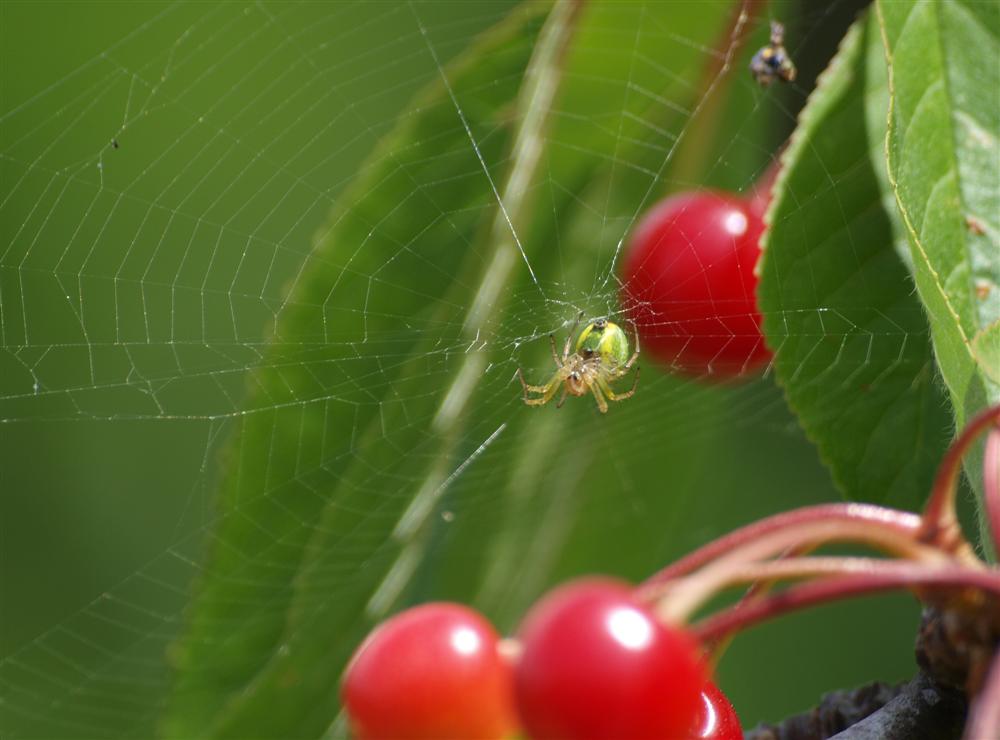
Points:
[(166, 207)]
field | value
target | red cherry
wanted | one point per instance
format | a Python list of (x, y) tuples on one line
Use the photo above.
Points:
[(595, 663), (429, 673), (689, 284), (716, 719)]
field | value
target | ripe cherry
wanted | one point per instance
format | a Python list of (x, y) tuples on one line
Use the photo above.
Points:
[(431, 672), (689, 284), (595, 663), (716, 719)]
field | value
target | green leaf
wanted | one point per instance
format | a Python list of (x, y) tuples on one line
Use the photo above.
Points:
[(986, 348), (852, 349), (383, 442), (944, 164), (345, 370)]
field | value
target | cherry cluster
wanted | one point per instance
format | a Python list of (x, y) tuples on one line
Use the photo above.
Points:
[(589, 661), (600, 659)]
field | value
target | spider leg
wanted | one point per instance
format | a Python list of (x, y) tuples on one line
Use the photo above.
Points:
[(527, 387), (555, 355), (624, 368), (606, 387), (548, 390), (569, 337), (635, 355), (602, 405)]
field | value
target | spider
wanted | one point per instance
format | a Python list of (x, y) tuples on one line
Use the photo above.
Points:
[(601, 356), (772, 62)]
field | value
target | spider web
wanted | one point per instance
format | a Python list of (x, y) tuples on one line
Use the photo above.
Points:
[(161, 198)]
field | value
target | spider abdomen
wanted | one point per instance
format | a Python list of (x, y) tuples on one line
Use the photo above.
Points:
[(606, 340)]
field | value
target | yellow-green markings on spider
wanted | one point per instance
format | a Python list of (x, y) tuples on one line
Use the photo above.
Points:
[(600, 357)]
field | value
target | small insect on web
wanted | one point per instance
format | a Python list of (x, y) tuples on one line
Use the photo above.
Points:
[(772, 62), (601, 356)]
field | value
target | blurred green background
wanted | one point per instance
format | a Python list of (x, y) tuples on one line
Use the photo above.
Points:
[(129, 320)]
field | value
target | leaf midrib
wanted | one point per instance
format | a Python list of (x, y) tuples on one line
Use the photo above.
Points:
[(954, 168), (903, 210)]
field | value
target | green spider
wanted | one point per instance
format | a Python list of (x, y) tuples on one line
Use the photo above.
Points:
[(601, 356)]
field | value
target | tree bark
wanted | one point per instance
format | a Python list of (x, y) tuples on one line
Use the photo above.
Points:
[(919, 709)]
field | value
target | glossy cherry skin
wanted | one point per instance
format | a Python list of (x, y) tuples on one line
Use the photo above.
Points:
[(716, 719), (595, 663), (432, 672), (688, 282)]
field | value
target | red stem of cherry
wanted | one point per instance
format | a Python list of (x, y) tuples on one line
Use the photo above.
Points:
[(929, 555), (894, 521), (817, 592)]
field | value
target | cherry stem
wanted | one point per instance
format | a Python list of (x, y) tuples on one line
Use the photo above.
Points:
[(757, 590), (940, 522), (991, 485), (679, 601), (984, 716), (886, 576), (900, 524), (680, 598)]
